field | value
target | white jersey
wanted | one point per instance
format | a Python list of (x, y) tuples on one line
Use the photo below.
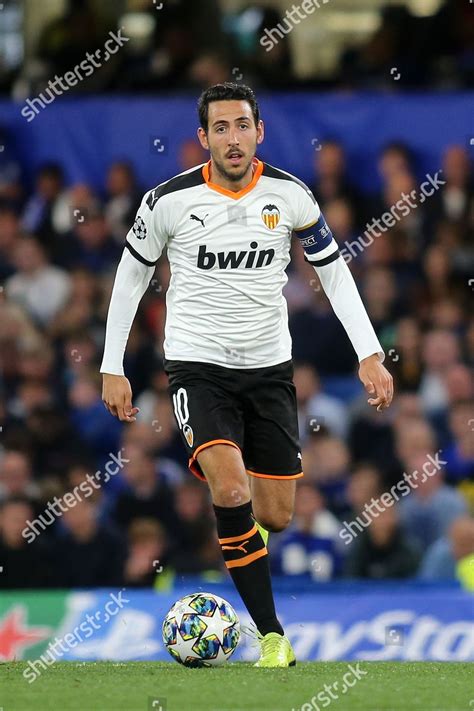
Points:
[(228, 252)]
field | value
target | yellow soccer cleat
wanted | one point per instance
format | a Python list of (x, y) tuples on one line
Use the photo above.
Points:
[(276, 651)]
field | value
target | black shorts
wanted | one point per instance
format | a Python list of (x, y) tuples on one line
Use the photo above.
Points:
[(251, 409)]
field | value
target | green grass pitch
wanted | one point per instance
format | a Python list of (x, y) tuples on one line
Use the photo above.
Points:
[(134, 686)]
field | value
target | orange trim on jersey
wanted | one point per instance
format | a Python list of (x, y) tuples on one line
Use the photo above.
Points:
[(274, 476), (192, 460), (240, 562), (211, 442), (305, 227), (234, 539), (206, 172), (194, 470)]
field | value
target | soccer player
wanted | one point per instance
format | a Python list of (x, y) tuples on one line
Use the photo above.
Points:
[(227, 226)]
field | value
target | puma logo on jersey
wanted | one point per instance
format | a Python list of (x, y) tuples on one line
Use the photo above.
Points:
[(234, 260), (198, 219), (153, 198)]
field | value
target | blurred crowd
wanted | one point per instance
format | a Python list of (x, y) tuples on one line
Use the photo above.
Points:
[(59, 247), (187, 45)]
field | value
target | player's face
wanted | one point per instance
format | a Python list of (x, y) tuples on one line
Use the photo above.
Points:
[(231, 138)]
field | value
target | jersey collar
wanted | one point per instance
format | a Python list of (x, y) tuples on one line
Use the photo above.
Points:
[(258, 169)]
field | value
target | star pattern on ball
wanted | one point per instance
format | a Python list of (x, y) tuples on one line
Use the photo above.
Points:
[(200, 630)]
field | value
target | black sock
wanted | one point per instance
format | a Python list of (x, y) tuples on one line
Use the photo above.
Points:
[(246, 558)]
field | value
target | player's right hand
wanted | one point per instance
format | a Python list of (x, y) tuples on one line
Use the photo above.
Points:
[(117, 397)]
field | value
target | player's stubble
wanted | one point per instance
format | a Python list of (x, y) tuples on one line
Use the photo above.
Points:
[(233, 176)]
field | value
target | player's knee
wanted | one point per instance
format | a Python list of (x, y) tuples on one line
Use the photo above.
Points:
[(233, 494), (230, 490)]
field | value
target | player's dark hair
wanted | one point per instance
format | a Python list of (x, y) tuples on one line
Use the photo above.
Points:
[(228, 91)]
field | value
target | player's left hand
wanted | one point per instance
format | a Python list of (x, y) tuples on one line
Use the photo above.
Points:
[(377, 381)]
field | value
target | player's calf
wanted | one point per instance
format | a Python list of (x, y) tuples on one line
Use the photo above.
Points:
[(246, 558), (273, 502), (243, 548), (273, 521)]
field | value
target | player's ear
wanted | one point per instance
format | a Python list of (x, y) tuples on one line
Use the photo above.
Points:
[(260, 131), (202, 136)]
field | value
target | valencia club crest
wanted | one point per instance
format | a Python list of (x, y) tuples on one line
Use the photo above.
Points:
[(271, 216)]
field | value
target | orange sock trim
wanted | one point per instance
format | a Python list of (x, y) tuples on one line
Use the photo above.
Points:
[(246, 560), (234, 539)]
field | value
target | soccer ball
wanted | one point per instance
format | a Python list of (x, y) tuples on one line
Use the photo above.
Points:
[(201, 630)]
